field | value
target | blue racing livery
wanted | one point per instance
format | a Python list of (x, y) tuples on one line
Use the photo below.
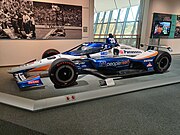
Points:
[(90, 48), (103, 60), (106, 65), (33, 82)]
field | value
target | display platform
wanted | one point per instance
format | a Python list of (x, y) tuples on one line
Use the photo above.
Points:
[(87, 88)]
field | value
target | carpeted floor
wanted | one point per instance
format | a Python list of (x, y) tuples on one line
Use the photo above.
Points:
[(149, 112)]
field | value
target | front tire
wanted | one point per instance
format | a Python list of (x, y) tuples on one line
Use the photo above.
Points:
[(63, 73), (162, 62)]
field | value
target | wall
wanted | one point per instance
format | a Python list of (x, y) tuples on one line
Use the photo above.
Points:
[(13, 52), (144, 34), (162, 6)]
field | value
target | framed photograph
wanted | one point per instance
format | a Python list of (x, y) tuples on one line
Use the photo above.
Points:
[(177, 30), (21, 19), (161, 25)]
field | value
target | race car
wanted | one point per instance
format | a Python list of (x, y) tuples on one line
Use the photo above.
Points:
[(95, 58), (58, 32)]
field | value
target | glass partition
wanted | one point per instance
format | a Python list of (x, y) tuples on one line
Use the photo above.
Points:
[(121, 22)]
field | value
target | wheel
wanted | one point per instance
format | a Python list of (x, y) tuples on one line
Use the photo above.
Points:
[(50, 52), (63, 73), (162, 62)]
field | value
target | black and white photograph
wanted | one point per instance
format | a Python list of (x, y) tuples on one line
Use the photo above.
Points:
[(21, 19)]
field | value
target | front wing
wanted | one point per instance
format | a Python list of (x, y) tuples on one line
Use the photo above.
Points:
[(31, 82)]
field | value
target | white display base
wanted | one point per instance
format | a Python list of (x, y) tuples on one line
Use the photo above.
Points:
[(34, 105)]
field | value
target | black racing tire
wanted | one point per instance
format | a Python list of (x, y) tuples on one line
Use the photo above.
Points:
[(63, 73), (162, 62), (50, 52)]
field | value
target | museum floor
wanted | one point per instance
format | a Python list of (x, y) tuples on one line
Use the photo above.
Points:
[(154, 111)]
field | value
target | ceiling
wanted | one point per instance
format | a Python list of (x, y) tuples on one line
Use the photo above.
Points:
[(105, 5)]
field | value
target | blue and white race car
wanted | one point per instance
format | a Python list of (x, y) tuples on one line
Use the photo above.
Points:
[(96, 58)]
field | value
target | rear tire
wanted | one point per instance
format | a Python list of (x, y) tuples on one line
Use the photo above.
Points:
[(63, 73), (162, 62), (50, 52)]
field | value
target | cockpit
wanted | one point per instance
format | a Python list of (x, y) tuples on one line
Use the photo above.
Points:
[(89, 48)]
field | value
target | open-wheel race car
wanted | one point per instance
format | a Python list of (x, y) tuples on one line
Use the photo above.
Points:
[(58, 32), (96, 58)]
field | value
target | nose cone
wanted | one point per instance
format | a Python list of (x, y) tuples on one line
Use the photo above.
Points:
[(13, 70)]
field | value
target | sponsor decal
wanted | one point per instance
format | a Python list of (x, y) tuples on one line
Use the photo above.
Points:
[(148, 60), (112, 40), (114, 64), (79, 62), (149, 65), (64, 63), (33, 82), (102, 64), (121, 52), (125, 62), (132, 52), (104, 53)]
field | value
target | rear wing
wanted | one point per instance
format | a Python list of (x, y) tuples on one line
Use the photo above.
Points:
[(157, 47)]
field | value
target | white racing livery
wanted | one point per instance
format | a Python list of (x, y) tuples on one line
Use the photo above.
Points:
[(63, 68)]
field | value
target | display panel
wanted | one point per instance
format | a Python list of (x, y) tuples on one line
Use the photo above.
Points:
[(21, 19), (165, 26), (162, 28), (161, 25)]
